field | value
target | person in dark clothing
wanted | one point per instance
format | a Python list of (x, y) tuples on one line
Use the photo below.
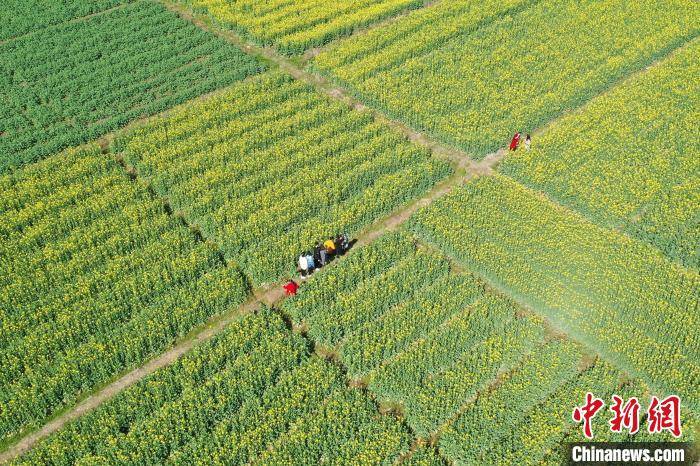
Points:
[(339, 250), (324, 257), (317, 254), (341, 243)]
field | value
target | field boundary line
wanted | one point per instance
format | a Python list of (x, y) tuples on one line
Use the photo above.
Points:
[(466, 168), (214, 326), (311, 53), (268, 295), (324, 86)]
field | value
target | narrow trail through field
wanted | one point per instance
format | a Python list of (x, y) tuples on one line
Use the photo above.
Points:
[(268, 295), (465, 169), (213, 327), (318, 82)]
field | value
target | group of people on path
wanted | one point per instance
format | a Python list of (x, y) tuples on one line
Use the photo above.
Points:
[(322, 254), (515, 142)]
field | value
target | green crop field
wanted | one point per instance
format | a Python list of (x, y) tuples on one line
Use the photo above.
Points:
[(455, 357), (252, 395), (85, 292), (293, 27), (74, 81), (595, 283), (166, 167), (20, 17)]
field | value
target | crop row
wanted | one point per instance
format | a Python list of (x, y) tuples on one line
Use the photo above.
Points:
[(23, 16), (73, 82), (384, 48), (327, 169), (617, 294), (441, 394), (474, 76), (420, 336), (293, 27), (342, 322), (252, 394), (95, 278), (494, 414), (529, 434), (628, 160), (453, 339)]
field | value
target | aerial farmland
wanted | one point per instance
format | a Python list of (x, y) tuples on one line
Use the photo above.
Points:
[(361, 232)]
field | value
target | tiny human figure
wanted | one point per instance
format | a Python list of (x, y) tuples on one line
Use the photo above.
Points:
[(310, 263), (515, 141), (324, 257), (330, 247), (527, 142), (341, 244), (303, 266), (291, 288), (346, 242), (317, 254)]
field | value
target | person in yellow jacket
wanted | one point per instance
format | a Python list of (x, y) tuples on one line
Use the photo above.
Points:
[(330, 246)]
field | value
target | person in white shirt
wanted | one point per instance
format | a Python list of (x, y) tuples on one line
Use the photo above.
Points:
[(303, 266)]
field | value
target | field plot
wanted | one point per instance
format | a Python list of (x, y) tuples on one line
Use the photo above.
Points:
[(619, 295), (327, 169), (463, 364), (293, 26), (419, 335), (630, 159), (424, 455), (475, 72), (94, 278), (19, 17), (69, 83), (527, 416), (251, 395)]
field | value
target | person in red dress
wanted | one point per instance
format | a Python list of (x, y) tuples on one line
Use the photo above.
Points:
[(515, 141), (291, 288)]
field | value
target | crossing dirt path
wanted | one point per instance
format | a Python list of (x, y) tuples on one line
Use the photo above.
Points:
[(268, 295), (465, 168)]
